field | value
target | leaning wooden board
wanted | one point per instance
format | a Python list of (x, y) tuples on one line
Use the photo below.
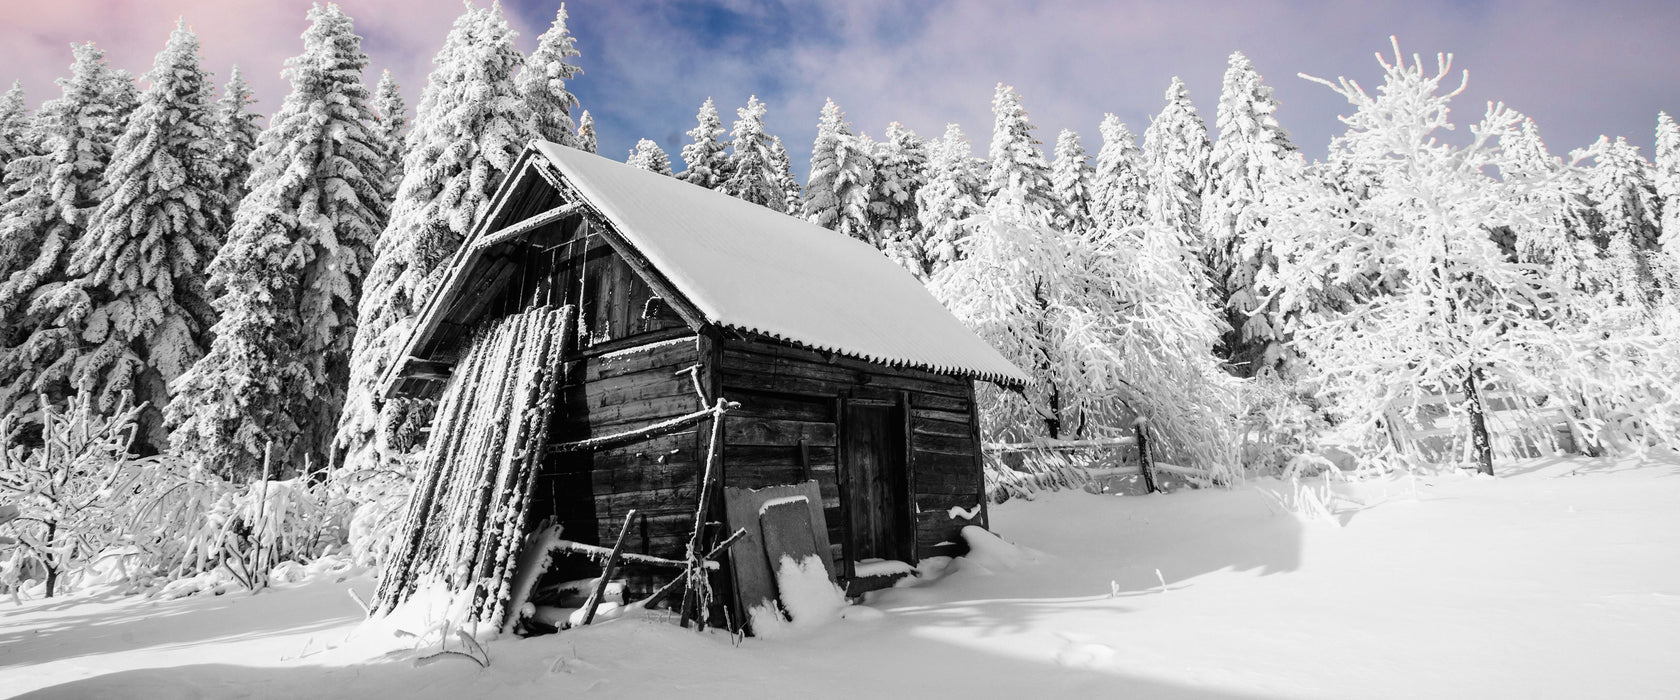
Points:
[(750, 567)]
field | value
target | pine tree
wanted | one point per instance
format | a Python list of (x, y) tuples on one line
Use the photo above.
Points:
[(542, 83), (842, 173), (900, 172), (137, 297), (947, 204), (1560, 238), (1117, 183), (647, 155), (467, 134), (1668, 186), (50, 196), (1070, 180), (236, 127), (1175, 166), (1629, 218), (704, 162), (391, 114), (1249, 157), (16, 142), (291, 271), (783, 166), (752, 172), (586, 133), (1014, 157)]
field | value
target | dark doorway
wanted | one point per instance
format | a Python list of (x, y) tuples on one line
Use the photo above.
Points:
[(877, 494)]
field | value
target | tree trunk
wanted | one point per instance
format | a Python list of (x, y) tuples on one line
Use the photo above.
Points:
[(47, 560), (1481, 446)]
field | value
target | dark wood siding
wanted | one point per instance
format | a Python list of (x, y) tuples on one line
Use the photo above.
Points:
[(613, 393), (787, 430)]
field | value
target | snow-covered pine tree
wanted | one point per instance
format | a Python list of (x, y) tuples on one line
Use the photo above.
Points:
[(1629, 217), (752, 172), (137, 297), (1070, 179), (783, 166), (391, 114), (947, 204), (49, 197), (1668, 187), (291, 272), (469, 130), (704, 162), (647, 155), (1117, 184), (542, 83), (842, 175), (1175, 166), (586, 133), (900, 172), (1249, 156), (15, 138), (1014, 156), (236, 127), (1560, 238)]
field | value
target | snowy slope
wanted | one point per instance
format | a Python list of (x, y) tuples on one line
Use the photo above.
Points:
[(1558, 579)]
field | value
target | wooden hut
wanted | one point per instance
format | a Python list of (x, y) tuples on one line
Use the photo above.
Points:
[(634, 303)]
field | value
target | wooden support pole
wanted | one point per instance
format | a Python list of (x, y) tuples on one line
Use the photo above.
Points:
[(630, 437), (700, 510), (525, 226), (589, 550), (710, 561), (607, 569)]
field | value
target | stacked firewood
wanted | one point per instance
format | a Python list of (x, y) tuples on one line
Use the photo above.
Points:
[(466, 517)]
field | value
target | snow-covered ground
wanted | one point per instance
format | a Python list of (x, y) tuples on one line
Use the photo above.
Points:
[(1560, 578)]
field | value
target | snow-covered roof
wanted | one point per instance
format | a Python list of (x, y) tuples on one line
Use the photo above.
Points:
[(752, 269)]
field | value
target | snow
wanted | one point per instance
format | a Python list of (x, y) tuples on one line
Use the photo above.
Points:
[(880, 567), (781, 500), (1557, 578), (748, 268)]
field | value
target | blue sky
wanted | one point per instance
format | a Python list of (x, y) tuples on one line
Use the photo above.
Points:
[(1579, 69)]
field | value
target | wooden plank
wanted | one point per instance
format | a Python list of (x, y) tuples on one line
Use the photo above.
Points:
[(941, 403), (926, 426), (780, 406), (945, 463), (742, 360), (944, 444), (749, 568), (529, 224), (753, 430), (748, 456), (652, 276), (790, 540), (649, 410)]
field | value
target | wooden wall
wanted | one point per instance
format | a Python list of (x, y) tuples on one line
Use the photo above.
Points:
[(791, 396), (591, 492)]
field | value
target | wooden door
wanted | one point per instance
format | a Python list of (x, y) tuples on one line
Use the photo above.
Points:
[(877, 495)]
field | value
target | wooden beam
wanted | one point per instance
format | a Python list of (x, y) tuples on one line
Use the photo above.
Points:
[(631, 437), (417, 368), (528, 225)]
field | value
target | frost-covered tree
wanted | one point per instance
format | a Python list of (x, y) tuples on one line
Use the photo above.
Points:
[(842, 172), (1559, 234), (469, 130), (1070, 179), (236, 128), (391, 114), (291, 272), (704, 162), (792, 193), (543, 83), (753, 175), (1175, 166), (1251, 155), (1117, 185), (15, 137), (1456, 315), (647, 155), (586, 133), (1109, 326), (1629, 216), (51, 194), (137, 299), (1014, 157), (947, 204), (900, 172), (1668, 185)]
